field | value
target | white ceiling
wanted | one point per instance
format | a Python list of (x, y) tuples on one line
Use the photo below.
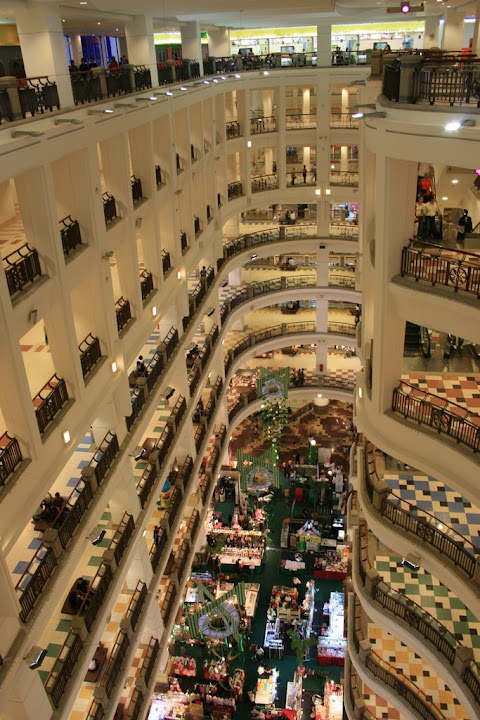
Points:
[(171, 14)]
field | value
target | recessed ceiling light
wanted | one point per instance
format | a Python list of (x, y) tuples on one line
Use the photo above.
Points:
[(116, 29), (444, 197), (98, 23), (452, 126), (84, 2), (63, 20), (454, 182)]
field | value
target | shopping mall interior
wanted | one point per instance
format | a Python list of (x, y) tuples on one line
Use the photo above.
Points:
[(240, 388)]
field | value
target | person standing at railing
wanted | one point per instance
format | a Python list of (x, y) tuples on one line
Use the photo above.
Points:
[(304, 173), (114, 67), (83, 65), (420, 217), (432, 211)]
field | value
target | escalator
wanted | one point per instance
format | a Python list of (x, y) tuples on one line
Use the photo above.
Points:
[(417, 341)]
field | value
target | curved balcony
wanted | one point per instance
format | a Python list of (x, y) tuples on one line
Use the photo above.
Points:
[(417, 628), (384, 678), (444, 552)]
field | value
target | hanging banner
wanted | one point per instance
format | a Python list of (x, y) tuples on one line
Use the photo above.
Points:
[(258, 474)]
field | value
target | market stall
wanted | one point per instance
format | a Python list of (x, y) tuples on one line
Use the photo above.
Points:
[(332, 643), (266, 691), (284, 604)]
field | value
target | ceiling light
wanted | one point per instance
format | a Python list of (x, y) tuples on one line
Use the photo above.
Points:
[(452, 126), (237, 75), (66, 437), (317, 191), (84, 2), (206, 82), (444, 197), (405, 7), (215, 80), (153, 97), (114, 367), (265, 72), (454, 182), (249, 143), (332, 167), (327, 191), (319, 395), (357, 115), (183, 87), (98, 23), (154, 310), (179, 275)]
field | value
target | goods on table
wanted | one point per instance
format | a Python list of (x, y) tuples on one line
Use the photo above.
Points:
[(332, 643), (184, 666), (284, 603)]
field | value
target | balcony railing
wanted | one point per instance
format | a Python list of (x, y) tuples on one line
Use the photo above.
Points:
[(149, 660), (264, 182), (121, 536), (49, 401), (146, 284), (95, 711), (444, 416), (168, 602), (115, 663), (199, 436), (70, 234), (234, 190), (34, 578), (104, 456), (95, 595), (123, 313), (146, 483), (263, 124), (343, 178), (137, 399), (63, 668), (437, 265), (183, 241), (137, 601), (135, 705), (38, 94), (137, 193), (166, 263), (77, 505), (232, 129), (90, 353), (10, 457), (301, 121), (343, 120), (21, 267), (109, 207), (178, 163)]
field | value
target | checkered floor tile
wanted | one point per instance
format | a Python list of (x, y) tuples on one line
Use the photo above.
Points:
[(12, 233), (425, 590), (461, 389), (379, 708), (404, 660), (445, 504)]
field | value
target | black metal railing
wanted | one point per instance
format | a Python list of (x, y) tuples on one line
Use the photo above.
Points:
[(49, 401), (178, 163), (158, 175), (146, 284), (137, 601), (115, 663), (300, 121), (10, 457), (234, 190), (95, 711), (21, 267), (437, 265), (90, 353), (264, 182), (232, 129), (121, 536), (104, 456), (142, 77), (263, 124), (6, 112), (136, 184), (77, 505), (197, 226), (86, 87), (456, 85), (34, 578), (166, 262), (443, 416), (183, 241), (123, 313), (343, 120), (344, 178), (137, 399), (146, 483), (38, 94), (109, 207), (63, 668), (410, 519), (156, 551), (70, 234)]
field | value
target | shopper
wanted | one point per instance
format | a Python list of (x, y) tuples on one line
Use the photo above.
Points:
[(304, 173), (464, 225), (432, 211)]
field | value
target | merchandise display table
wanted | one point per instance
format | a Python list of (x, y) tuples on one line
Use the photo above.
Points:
[(184, 666), (267, 689), (332, 643), (284, 603)]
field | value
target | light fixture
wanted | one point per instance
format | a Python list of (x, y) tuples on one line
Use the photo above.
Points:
[(125, 104), (98, 23), (154, 310), (144, 533), (66, 437), (369, 115), (179, 275), (182, 87), (452, 126), (357, 115), (360, 393), (106, 111), (370, 106), (206, 82), (312, 442), (319, 395), (332, 167), (327, 191), (318, 191), (254, 256), (210, 312), (114, 367), (249, 143), (405, 7), (167, 92), (237, 75), (455, 182), (265, 72), (215, 80), (445, 197)]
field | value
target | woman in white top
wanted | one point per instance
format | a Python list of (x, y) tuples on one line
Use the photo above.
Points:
[(431, 211)]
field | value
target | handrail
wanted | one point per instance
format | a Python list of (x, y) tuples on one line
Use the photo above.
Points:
[(21, 266), (59, 676), (10, 456), (426, 529), (437, 265), (443, 415), (441, 249), (136, 603), (121, 536)]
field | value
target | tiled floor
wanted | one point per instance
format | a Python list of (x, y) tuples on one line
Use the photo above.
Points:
[(425, 590), (403, 659), (431, 496), (461, 389), (12, 233), (379, 708)]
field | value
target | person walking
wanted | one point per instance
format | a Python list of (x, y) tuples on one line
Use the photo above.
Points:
[(465, 226), (304, 173), (431, 212)]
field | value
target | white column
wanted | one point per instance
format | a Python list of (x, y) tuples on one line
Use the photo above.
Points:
[(76, 48), (344, 157), (140, 45), (345, 100), (219, 42), (453, 30), (191, 43), (324, 45), (268, 161), (322, 268), (267, 103), (432, 29), (306, 101), (476, 29), (40, 32), (322, 315)]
